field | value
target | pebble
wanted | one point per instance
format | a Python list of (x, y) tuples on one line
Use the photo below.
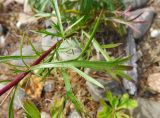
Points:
[(48, 41), (20, 1), (146, 16), (134, 4), (155, 33), (74, 114), (2, 41), (49, 86), (98, 93), (26, 51), (146, 109), (154, 82), (45, 115), (19, 96), (25, 19)]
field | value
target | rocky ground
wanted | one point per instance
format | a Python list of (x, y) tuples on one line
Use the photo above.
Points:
[(146, 65)]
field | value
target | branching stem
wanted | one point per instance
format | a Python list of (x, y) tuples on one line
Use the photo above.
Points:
[(20, 76)]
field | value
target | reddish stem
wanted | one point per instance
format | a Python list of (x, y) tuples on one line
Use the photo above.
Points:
[(20, 76)]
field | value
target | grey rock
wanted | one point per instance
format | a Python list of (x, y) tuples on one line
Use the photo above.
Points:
[(45, 115), (134, 4), (48, 41), (69, 50), (74, 114), (49, 86), (26, 51), (19, 96), (145, 15), (131, 50), (146, 109), (98, 93)]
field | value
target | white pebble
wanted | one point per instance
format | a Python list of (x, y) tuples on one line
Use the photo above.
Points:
[(45, 115), (155, 33)]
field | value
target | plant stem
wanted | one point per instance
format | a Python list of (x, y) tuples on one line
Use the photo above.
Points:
[(20, 76)]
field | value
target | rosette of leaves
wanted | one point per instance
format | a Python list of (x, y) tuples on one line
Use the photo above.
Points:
[(117, 107)]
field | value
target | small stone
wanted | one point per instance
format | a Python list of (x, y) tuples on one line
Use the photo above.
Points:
[(154, 82), (25, 19), (2, 41), (74, 114), (26, 51), (48, 41), (45, 115), (143, 23), (98, 93), (49, 86), (155, 33), (146, 109), (20, 1), (134, 4), (19, 96)]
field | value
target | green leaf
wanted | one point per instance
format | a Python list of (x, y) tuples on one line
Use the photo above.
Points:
[(74, 24), (4, 81), (99, 48), (10, 110), (127, 103), (91, 36), (96, 65), (106, 111), (33, 48), (70, 94), (110, 5), (57, 110), (108, 46), (47, 33), (66, 80), (123, 75), (8, 58), (30, 109), (86, 6), (21, 53), (56, 8), (87, 77), (109, 97)]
